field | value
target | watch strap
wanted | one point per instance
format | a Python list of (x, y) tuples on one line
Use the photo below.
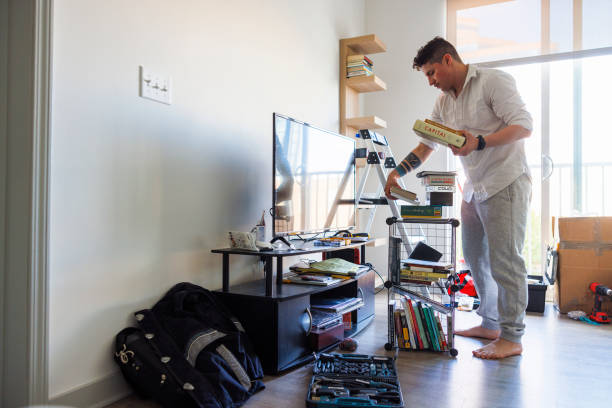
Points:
[(481, 142)]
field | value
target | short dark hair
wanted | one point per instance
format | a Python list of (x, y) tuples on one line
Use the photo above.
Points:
[(433, 52)]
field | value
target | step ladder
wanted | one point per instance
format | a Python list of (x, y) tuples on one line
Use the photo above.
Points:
[(377, 147)]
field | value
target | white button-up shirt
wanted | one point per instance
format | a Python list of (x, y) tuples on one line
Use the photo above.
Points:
[(488, 102)]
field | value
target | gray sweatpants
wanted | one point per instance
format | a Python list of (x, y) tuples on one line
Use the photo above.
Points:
[(493, 237)]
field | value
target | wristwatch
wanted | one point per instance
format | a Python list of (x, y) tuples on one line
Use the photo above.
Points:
[(481, 142)]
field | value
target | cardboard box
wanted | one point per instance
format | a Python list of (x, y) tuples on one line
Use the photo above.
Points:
[(585, 256), (585, 229)]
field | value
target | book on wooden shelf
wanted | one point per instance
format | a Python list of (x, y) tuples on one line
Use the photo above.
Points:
[(402, 194), (358, 73), (357, 68), (359, 58), (438, 133)]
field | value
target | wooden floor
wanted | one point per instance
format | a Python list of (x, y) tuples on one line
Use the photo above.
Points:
[(565, 363)]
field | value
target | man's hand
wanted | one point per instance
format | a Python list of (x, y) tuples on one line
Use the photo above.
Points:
[(471, 143), (391, 181)]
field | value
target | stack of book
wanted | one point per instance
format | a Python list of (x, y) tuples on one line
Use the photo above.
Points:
[(439, 186), (418, 271), (417, 325), (334, 267), (311, 279), (357, 65), (338, 306), (322, 320)]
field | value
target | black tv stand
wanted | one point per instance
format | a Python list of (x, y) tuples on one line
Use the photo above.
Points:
[(276, 316)]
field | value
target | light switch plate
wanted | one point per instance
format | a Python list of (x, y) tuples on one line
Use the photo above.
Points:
[(155, 87)]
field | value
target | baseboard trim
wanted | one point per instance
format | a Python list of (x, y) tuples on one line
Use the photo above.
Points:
[(96, 394)]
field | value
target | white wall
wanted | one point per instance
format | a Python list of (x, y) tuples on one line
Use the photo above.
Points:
[(404, 26), (140, 191)]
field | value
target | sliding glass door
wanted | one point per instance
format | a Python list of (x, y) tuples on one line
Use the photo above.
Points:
[(560, 60)]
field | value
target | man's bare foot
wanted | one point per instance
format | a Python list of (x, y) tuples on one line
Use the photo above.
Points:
[(500, 348), (479, 331)]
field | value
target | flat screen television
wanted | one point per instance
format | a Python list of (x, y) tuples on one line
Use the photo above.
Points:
[(314, 179)]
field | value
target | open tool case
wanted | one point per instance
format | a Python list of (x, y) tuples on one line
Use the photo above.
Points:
[(354, 380)]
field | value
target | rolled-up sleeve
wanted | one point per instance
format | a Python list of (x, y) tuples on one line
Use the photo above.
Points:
[(506, 102), (435, 116)]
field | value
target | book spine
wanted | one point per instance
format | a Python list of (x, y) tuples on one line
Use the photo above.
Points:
[(413, 268), (427, 275), (391, 321), (438, 134), (394, 258), (421, 211), (442, 335), (398, 328), (415, 324), (439, 180), (402, 302), (424, 323), (421, 324), (401, 343), (431, 122), (405, 329), (440, 189), (433, 327)]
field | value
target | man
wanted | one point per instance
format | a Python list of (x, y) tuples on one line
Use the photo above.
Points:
[(485, 105)]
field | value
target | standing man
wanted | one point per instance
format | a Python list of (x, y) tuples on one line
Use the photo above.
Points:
[(486, 105)]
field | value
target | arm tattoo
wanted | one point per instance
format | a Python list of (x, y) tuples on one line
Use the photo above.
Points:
[(409, 163), (402, 168), (413, 160)]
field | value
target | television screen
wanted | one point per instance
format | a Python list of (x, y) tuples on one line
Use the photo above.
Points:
[(314, 179)]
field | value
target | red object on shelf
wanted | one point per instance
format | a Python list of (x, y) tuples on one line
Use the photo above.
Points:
[(465, 283)]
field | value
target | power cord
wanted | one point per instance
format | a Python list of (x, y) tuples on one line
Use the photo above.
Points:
[(369, 265)]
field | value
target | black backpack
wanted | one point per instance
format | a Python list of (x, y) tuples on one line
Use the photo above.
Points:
[(189, 351)]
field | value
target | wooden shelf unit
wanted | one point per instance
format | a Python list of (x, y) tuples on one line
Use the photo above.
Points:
[(370, 83), (366, 122), (351, 88)]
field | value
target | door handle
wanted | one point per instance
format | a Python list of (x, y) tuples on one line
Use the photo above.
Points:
[(549, 169)]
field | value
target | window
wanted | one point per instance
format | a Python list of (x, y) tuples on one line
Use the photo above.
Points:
[(559, 58)]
